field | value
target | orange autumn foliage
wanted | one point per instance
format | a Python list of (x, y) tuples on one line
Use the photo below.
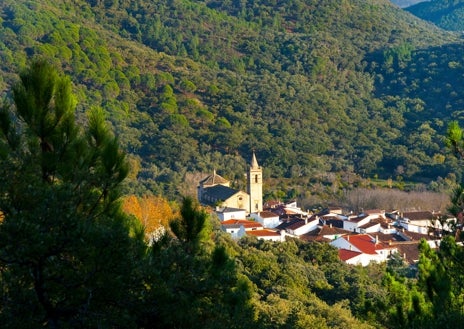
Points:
[(152, 211)]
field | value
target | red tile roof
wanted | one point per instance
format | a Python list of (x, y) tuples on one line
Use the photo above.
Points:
[(297, 224), (414, 236), (263, 233), (345, 254), (369, 225), (332, 230), (272, 204), (409, 251), (365, 243), (248, 224), (319, 233), (419, 215), (267, 214)]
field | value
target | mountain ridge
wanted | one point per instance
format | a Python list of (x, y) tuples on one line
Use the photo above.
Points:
[(444, 13)]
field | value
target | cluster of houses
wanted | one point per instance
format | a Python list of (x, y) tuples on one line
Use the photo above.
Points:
[(368, 236)]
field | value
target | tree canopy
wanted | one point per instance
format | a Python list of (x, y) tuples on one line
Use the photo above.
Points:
[(66, 251)]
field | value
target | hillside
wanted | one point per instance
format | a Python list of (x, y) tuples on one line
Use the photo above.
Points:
[(446, 14), (190, 86)]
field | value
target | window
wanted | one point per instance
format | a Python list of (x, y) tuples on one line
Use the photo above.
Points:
[(256, 178)]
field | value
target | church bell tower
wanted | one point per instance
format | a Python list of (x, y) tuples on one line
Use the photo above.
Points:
[(255, 185)]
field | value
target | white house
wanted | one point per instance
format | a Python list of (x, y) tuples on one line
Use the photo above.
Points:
[(238, 228), (379, 224), (228, 213), (358, 223), (418, 218), (371, 249), (291, 208), (371, 227), (303, 226), (267, 218), (412, 227), (352, 257), (354, 222)]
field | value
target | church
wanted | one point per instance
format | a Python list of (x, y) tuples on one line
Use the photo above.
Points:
[(215, 190)]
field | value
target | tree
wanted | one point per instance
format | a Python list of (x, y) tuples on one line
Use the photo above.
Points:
[(198, 277), (454, 139), (440, 277), (440, 271), (192, 221), (153, 212), (68, 255)]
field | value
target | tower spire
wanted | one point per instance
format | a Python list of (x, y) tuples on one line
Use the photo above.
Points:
[(255, 185), (254, 162)]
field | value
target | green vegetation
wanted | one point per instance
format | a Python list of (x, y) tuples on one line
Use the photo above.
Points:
[(191, 86), (70, 258), (68, 255), (447, 14)]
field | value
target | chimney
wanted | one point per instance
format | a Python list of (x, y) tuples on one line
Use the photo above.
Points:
[(330, 225)]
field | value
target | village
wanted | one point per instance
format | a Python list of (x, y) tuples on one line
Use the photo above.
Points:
[(373, 235)]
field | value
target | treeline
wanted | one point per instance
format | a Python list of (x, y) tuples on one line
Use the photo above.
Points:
[(368, 198)]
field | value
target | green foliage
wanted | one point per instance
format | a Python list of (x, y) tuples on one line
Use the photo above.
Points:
[(440, 278), (188, 227), (205, 288), (298, 282), (291, 81), (447, 14), (66, 248)]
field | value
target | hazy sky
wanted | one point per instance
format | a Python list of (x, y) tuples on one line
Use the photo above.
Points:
[(406, 3)]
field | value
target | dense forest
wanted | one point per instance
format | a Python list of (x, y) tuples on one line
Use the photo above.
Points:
[(446, 14), (190, 86), (70, 257), (104, 100)]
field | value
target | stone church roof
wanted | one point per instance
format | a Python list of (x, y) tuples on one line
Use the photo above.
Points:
[(213, 179)]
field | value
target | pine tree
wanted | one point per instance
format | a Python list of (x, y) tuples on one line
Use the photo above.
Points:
[(68, 255)]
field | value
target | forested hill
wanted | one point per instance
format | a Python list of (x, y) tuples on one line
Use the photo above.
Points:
[(312, 86), (447, 14)]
